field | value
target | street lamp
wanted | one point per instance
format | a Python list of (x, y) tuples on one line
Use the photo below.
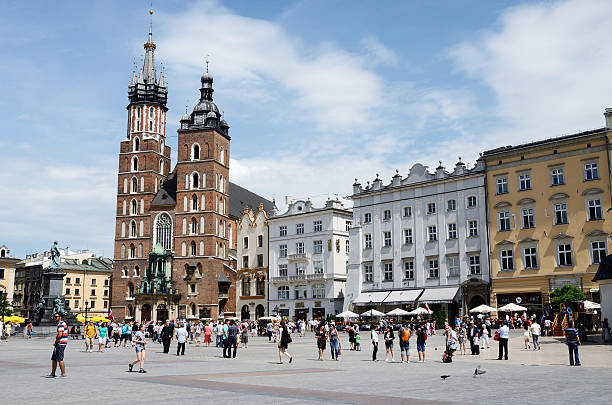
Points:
[(370, 313)]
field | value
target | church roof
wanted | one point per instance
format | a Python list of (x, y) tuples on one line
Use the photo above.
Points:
[(166, 195), (239, 197)]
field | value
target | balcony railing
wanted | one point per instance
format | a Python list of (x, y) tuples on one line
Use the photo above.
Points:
[(306, 277), (298, 257), (223, 295)]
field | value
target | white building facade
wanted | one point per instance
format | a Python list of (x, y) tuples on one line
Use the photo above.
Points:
[(252, 260), (420, 239), (308, 251)]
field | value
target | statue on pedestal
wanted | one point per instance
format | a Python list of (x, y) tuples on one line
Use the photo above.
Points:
[(58, 306), (54, 263), (39, 310)]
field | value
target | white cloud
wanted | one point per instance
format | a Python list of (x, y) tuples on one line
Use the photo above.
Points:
[(547, 67), (325, 84)]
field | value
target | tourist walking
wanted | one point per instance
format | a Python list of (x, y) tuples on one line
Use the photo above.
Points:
[(90, 334), (198, 333), (536, 330), (473, 333), (166, 336), (526, 336), (207, 333), (503, 334), (462, 336), (140, 345), (389, 337), (321, 337), (59, 346), (333, 342), (102, 335), (232, 339), (374, 338), (226, 349), (244, 335), (284, 343), (404, 341), (269, 329), (421, 342), (573, 341), (484, 339), (181, 338)]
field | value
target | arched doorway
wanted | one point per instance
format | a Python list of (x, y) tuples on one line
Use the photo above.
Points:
[(259, 311), (145, 313), (244, 313), (162, 312), (476, 301)]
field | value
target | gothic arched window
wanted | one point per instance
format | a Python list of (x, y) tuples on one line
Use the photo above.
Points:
[(151, 115), (193, 249), (134, 164), (195, 152), (133, 230), (163, 231), (222, 155), (132, 251), (136, 144), (194, 226), (194, 202), (134, 185), (195, 180), (134, 207)]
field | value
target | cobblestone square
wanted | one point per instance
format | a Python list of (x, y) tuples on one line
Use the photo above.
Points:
[(255, 376)]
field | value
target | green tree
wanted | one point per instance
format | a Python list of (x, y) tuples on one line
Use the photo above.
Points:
[(439, 317), (566, 294), (4, 306)]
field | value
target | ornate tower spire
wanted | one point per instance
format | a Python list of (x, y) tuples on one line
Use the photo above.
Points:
[(148, 87), (149, 74)]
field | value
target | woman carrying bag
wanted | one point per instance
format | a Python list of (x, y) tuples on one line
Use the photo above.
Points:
[(283, 345)]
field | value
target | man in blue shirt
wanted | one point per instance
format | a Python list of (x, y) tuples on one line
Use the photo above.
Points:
[(573, 341)]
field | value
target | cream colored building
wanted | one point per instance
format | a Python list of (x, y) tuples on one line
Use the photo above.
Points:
[(87, 285), (7, 274), (252, 258), (547, 213)]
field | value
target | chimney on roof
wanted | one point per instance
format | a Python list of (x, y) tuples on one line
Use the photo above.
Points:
[(608, 115)]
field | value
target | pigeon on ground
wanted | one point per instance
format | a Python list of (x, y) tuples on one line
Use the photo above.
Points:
[(444, 377), (478, 371)]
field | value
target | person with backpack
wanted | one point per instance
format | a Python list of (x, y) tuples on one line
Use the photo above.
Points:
[(421, 339), (404, 334), (451, 344)]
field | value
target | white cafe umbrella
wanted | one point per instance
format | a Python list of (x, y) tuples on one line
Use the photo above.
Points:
[(398, 312), (419, 311), (590, 305), (347, 314), (372, 312), (511, 307), (482, 309)]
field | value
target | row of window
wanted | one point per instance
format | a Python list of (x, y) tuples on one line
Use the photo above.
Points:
[(245, 241), (590, 171), (301, 292), (432, 234), (193, 249), (433, 268), (317, 226), (131, 251), (245, 261), (300, 268), (77, 281), (451, 205), (317, 248), (134, 230), (91, 304), (260, 287), (563, 254), (140, 119), (193, 182), (195, 152), (77, 292), (594, 212)]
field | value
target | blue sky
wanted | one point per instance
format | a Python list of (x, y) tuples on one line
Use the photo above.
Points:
[(317, 93)]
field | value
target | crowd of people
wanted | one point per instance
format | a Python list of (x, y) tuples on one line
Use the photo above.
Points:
[(228, 334)]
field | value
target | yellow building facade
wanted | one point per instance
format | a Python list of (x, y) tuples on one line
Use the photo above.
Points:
[(547, 216), (7, 275), (87, 285)]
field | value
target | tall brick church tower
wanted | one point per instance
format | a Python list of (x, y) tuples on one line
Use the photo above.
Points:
[(144, 163), (174, 229)]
